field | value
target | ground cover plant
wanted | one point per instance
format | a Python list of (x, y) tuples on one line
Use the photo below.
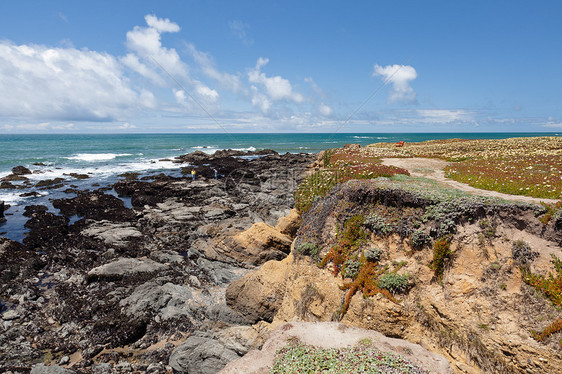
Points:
[(297, 357), (340, 166), (519, 166)]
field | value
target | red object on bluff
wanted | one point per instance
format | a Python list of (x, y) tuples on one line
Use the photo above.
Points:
[(400, 143)]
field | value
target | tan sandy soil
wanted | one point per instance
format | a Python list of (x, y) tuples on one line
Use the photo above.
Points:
[(433, 169)]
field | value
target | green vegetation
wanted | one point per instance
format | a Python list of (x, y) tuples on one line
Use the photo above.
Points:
[(441, 252), (296, 357), (551, 288), (395, 283), (308, 249), (340, 165)]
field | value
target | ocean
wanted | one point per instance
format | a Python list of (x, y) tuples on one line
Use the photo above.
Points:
[(104, 157)]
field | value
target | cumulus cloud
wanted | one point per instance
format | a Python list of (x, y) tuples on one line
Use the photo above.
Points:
[(276, 87), (146, 43), (127, 126), (400, 76), (45, 83)]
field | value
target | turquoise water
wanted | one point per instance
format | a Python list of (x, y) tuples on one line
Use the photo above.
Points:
[(92, 152), (104, 157)]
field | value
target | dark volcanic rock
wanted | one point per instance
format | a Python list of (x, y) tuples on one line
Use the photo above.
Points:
[(95, 205), (2, 218), (20, 170)]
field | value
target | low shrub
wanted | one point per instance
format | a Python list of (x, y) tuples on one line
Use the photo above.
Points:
[(395, 283), (373, 254), (441, 252), (378, 225), (419, 239), (297, 357), (308, 249), (522, 252), (351, 268)]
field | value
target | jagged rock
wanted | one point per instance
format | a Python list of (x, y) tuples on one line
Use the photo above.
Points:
[(20, 170), (199, 355), (125, 267), (259, 294)]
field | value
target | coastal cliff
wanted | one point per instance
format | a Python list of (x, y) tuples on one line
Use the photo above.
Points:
[(418, 261)]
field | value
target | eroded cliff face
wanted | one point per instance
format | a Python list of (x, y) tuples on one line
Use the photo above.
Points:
[(478, 312)]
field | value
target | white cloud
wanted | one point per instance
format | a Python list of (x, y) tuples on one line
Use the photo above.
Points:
[(208, 66), (553, 124), (277, 88), (161, 24), (400, 77), (127, 126), (260, 101), (206, 93), (146, 43), (45, 83), (443, 115), (324, 110)]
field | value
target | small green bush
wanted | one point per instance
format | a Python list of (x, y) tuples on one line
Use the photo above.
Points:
[(308, 249), (419, 239), (378, 225), (373, 254), (351, 268), (395, 283)]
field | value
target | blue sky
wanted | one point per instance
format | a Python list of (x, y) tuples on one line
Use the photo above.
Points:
[(287, 66)]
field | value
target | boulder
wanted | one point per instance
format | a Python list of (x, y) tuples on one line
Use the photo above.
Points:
[(290, 224), (20, 170), (125, 267), (259, 294), (200, 355), (260, 243), (167, 301), (113, 234)]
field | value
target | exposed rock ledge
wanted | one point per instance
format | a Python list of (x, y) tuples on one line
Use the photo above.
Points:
[(333, 335)]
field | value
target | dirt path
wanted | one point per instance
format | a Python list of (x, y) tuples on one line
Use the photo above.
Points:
[(433, 169)]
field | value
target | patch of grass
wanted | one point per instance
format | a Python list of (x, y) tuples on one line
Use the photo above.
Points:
[(302, 358)]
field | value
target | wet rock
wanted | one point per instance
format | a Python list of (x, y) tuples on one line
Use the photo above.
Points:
[(79, 176), (200, 355), (125, 267), (2, 208), (20, 170), (14, 178), (96, 206), (49, 182)]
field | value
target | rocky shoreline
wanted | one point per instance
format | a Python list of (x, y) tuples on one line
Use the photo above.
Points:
[(103, 286)]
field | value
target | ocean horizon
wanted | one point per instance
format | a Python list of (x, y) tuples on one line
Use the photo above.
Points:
[(103, 157)]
